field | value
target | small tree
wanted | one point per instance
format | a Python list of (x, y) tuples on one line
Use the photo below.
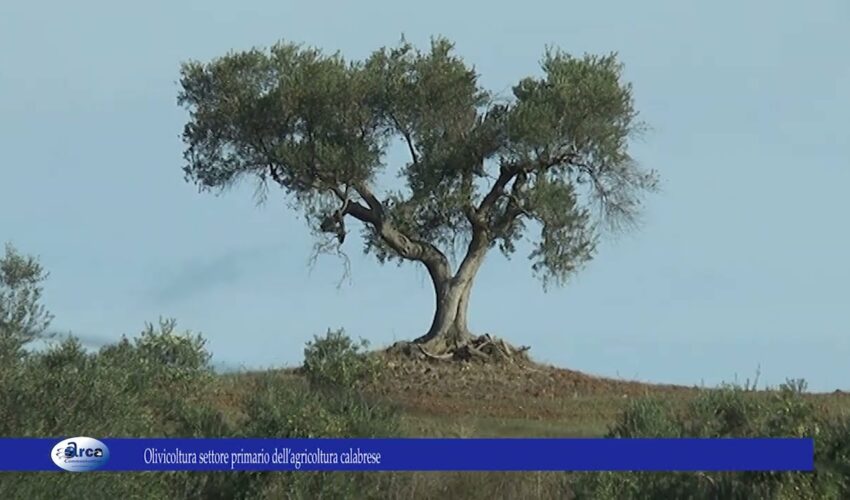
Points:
[(23, 318), (482, 169)]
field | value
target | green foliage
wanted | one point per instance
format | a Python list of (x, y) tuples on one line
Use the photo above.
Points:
[(337, 360), (298, 411), (319, 127), (66, 390), (432, 102), (142, 388), (580, 107), (731, 411), (23, 318), (566, 241), (833, 450), (161, 359), (160, 384), (651, 418)]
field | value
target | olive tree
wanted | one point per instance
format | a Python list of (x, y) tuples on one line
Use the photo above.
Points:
[(23, 317), (480, 170)]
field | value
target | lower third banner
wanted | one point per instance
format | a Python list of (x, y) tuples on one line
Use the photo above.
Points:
[(80, 454)]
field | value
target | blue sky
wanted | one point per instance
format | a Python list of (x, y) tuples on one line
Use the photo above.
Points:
[(741, 263)]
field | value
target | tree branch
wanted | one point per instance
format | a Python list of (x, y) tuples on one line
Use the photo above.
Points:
[(275, 175), (373, 214), (374, 203), (608, 204), (407, 139), (481, 228), (402, 244), (474, 255), (514, 207), (478, 216), (359, 212)]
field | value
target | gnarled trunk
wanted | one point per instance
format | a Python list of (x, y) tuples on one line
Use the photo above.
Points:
[(449, 328), (460, 323)]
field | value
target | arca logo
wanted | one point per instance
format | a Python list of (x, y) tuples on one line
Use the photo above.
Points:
[(80, 454)]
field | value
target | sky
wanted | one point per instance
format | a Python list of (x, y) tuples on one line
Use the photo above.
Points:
[(739, 269)]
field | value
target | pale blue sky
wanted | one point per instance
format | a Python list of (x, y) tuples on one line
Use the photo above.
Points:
[(742, 261)]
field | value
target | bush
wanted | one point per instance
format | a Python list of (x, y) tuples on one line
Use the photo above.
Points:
[(731, 412), (151, 387), (23, 318), (646, 417), (336, 360), (297, 411), (160, 384), (337, 366)]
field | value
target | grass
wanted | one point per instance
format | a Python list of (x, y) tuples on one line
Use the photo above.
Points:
[(166, 378), (468, 400), (494, 427)]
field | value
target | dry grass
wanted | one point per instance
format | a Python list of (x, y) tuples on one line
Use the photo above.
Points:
[(444, 399)]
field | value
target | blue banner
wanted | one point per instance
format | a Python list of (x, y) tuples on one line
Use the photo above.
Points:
[(270, 454)]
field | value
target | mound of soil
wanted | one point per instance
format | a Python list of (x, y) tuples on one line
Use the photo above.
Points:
[(484, 349), (489, 377)]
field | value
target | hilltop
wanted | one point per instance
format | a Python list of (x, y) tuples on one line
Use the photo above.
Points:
[(527, 399)]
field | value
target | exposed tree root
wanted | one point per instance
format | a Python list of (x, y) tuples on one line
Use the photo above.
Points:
[(483, 348)]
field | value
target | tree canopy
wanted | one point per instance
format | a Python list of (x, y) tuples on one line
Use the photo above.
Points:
[(482, 170), (319, 127)]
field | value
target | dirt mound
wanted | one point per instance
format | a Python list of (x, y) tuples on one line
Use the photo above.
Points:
[(484, 349), (494, 385)]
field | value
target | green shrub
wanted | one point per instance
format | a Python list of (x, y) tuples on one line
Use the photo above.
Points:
[(329, 405), (336, 360), (160, 384), (646, 417), (23, 317), (298, 411), (151, 387), (731, 412)]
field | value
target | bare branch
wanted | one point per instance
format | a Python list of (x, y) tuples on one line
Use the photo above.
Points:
[(331, 246)]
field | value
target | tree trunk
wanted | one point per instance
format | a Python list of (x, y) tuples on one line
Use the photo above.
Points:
[(460, 323), (449, 327)]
